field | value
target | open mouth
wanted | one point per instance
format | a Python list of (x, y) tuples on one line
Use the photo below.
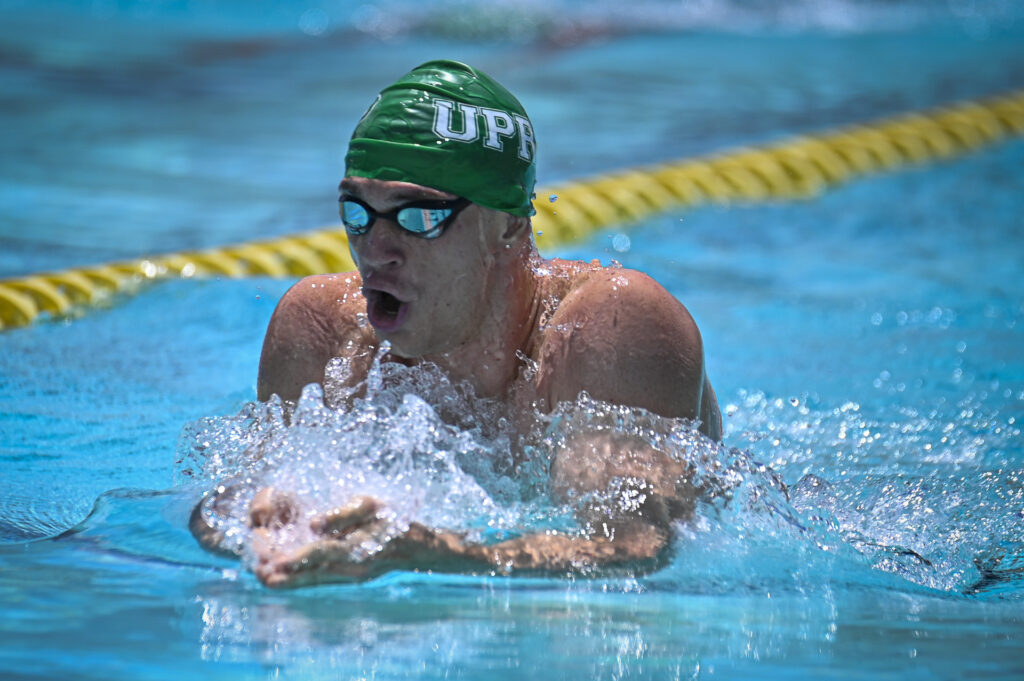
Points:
[(386, 312)]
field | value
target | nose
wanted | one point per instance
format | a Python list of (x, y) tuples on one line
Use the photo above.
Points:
[(382, 248)]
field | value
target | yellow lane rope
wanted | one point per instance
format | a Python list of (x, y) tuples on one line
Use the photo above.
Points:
[(795, 168)]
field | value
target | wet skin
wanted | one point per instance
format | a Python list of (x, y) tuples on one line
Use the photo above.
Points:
[(471, 301)]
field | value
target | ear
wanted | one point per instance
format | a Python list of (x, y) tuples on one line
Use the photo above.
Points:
[(515, 228)]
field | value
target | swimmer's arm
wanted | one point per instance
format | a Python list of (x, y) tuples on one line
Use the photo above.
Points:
[(638, 547), (315, 321), (626, 492)]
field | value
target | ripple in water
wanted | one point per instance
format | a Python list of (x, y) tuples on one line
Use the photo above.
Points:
[(933, 496)]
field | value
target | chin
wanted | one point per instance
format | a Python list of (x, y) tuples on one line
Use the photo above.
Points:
[(410, 345)]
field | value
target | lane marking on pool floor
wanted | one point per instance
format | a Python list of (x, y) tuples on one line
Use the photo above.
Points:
[(799, 167)]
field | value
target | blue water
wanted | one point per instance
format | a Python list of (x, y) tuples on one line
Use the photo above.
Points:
[(866, 345)]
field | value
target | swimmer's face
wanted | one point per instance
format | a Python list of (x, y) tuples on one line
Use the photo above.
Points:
[(424, 296)]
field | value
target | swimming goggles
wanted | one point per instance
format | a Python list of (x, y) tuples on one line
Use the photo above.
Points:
[(425, 219)]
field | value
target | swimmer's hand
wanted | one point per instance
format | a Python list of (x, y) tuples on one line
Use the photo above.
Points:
[(341, 535)]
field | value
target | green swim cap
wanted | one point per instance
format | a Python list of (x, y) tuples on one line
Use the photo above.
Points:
[(450, 127)]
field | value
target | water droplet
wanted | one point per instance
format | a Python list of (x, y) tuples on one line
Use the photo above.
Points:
[(553, 198)]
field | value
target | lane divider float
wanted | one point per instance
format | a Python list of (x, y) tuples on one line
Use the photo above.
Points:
[(796, 168)]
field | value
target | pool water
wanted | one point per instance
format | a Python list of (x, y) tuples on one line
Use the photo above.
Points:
[(865, 345)]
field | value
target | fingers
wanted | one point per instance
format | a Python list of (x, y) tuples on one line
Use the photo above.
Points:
[(325, 560), (344, 520), (337, 560), (272, 509), (263, 544), (348, 536)]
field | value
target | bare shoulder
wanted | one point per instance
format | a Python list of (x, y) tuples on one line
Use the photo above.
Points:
[(322, 295), (622, 337), (320, 317)]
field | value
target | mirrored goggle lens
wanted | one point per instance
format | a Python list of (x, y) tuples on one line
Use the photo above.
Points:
[(422, 220), (355, 217)]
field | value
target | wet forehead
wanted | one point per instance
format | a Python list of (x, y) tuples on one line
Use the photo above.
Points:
[(385, 194)]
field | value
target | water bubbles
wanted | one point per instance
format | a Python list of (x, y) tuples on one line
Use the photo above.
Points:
[(396, 447), (553, 198), (430, 452), (621, 243)]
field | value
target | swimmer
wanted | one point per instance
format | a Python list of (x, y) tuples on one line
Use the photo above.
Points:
[(436, 200)]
